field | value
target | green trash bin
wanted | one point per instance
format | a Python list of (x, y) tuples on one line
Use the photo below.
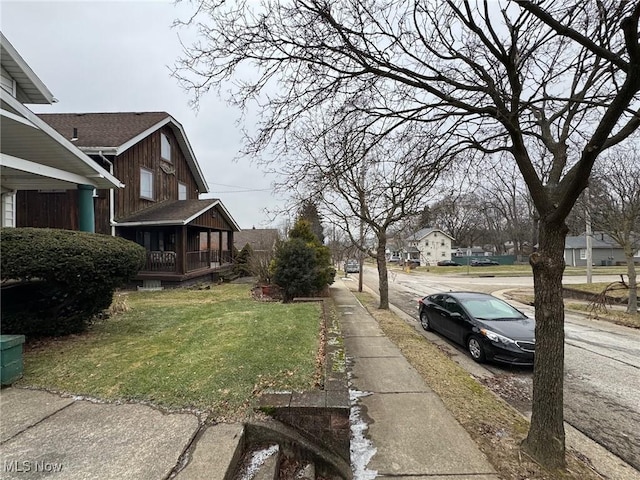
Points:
[(11, 365)]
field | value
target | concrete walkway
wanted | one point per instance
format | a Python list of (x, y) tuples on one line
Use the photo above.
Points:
[(43, 435), (411, 432)]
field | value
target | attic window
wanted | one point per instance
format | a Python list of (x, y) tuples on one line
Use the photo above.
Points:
[(182, 191), (146, 184), (165, 147)]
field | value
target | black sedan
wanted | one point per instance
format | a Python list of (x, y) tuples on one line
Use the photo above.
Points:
[(448, 263), (488, 327), (483, 262)]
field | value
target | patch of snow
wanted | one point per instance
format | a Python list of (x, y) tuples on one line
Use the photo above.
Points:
[(257, 460), (362, 449)]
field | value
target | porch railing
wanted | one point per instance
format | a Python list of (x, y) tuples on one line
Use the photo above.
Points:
[(198, 260), (158, 261), (207, 259)]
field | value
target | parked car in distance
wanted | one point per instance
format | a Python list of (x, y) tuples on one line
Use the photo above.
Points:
[(489, 328), (351, 266), (448, 263), (483, 262)]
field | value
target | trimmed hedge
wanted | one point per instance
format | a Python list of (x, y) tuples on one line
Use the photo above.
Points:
[(64, 278)]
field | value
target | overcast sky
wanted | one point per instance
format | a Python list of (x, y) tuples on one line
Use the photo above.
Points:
[(115, 56)]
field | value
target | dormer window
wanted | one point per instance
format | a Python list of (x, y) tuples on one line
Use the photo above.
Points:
[(165, 148)]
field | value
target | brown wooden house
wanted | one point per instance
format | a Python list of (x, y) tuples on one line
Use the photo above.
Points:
[(187, 239)]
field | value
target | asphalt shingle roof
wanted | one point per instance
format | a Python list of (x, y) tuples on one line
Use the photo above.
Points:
[(103, 129), (175, 212), (258, 238), (597, 241)]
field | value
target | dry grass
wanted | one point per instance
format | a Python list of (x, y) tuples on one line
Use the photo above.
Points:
[(606, 313), (495, 426)]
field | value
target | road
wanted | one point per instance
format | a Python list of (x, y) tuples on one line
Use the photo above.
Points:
[(602, 361)]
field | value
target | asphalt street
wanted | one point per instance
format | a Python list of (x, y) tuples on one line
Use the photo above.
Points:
[(602, 361)]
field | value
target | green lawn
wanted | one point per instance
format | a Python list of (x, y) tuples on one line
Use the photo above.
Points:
[(206, 349)]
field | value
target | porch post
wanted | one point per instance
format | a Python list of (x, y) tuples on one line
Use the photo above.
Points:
[(230, 244), (86, 214), (182, 250), (220, 247), (209, 246)]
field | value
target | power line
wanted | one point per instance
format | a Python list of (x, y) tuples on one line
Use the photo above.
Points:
[(243, 191)]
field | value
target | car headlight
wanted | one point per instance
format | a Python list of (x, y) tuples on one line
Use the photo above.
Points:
[(497, 338)]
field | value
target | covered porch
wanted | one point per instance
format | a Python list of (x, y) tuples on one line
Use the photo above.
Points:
[(195, 246)]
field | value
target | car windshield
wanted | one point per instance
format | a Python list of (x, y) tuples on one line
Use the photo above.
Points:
[(489, 308)]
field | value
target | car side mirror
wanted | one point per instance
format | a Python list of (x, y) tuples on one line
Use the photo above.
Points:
[(455, 315)]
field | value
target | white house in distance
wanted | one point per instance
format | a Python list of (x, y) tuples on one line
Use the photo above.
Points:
[(33, 156), (433, 244)]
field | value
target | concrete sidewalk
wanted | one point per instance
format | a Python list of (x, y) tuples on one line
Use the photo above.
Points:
[(411, 432), (43, 435)]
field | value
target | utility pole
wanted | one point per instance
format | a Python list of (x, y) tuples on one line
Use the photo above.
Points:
[(588, 236), (361, 239)]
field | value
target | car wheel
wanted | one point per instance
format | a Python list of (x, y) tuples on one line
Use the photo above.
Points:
[(474, 345), (424, 321)]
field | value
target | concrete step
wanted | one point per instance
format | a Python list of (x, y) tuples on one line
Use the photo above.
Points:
[(261, 463), (215, 453)]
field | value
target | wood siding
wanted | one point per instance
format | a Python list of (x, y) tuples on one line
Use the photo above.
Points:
[(60, 210), (146, 154), (211, 219), (47, 210)]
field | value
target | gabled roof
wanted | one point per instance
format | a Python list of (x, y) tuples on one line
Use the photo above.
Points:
[(176, 212), (113, 133), (598, 240), (30, 89), (260, 239), (420, 234)]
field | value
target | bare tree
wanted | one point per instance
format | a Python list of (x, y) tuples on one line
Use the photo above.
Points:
[(615, 208), (457, 214), (551, 83), (369, 181), (505, 195)]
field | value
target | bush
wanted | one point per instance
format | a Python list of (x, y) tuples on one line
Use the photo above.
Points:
[(64, 278), (242, 259), (294, 269), (302, 266)]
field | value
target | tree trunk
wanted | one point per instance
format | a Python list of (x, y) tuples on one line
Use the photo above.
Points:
[(383, 279), (545, 441), (632, 305)]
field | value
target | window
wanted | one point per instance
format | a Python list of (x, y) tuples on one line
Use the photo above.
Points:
[(452, 306), (165, 147), (182, 191), (146, 184), (583, 254)]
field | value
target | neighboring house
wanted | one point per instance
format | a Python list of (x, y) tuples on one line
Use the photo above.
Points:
[(470, 252), (187, 239), (432, 245), (33, 156), (604, 250), (261, 240)]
